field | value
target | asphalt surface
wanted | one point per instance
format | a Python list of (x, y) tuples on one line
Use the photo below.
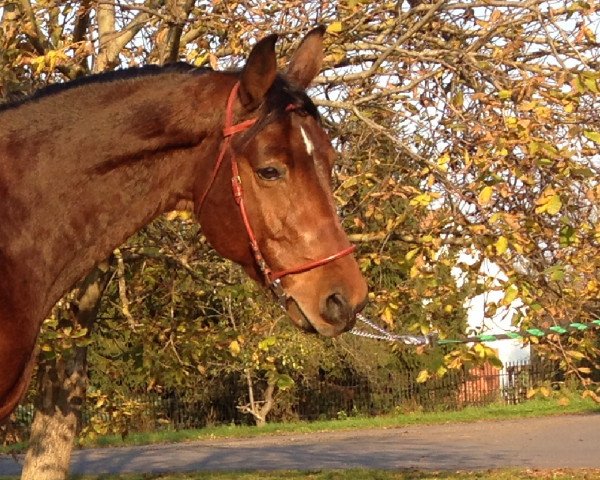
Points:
[(570, 441)]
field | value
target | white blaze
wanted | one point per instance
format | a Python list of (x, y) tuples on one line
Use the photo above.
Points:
[(310, 148)]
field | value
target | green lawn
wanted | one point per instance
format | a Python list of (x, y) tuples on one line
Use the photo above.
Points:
[(532, 408), (359, 474)]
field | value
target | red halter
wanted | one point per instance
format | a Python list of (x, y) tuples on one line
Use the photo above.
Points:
[(272, 279)]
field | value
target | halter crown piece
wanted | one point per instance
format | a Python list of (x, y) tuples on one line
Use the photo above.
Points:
[(272, 279)]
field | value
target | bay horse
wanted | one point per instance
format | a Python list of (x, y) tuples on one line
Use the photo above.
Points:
[(84, 165)]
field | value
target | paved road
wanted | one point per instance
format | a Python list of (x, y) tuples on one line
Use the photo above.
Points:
[(551, 442)]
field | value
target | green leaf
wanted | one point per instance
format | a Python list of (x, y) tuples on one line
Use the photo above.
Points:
[(268, 342), (82, 332), (557, 273), (284, 382)]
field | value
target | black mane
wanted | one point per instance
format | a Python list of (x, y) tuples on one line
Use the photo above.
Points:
[(281, 94), (105, 77)]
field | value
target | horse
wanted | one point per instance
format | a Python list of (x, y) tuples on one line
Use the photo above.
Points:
[(85, 164)]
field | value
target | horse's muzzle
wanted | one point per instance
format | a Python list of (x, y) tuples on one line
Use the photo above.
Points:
[(338, 316)]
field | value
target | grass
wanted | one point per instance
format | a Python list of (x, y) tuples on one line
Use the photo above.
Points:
[(361, 474), (533, 408)]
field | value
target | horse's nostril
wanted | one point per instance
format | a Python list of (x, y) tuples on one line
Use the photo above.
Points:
[(337, 308), (335, 301)]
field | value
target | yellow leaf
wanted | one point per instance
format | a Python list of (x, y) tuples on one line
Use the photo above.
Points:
[(496, 217), (591, 84), (485, 196), (501, 245), (422, 200), (201, 59), (545, 391), (443, 161), (549, 203), (184, 215), (575, 354), (564, 401), (335, 27), (411, 253), (479, 350), (554, 205), (387, 316), (593, 136), (511, 294), (422, 376), (234, 348), (592, 395), (531, 392), (414, 271)]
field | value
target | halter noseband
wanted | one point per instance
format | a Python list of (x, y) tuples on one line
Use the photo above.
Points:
[(272, 279)]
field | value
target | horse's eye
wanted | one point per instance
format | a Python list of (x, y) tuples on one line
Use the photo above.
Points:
[(269, 173)]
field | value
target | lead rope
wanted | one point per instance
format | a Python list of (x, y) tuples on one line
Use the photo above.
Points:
[(413, 340), (432, 339)]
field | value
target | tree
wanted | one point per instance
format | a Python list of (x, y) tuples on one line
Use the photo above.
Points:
[(62, 379), (463, 129), (489, 108)]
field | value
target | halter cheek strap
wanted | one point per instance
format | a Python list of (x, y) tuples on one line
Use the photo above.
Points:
[(272, 279)]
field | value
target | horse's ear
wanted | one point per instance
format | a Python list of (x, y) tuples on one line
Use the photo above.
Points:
[(259, 73), (307, 60)]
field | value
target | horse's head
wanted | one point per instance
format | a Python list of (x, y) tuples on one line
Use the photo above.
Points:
[(275, 144)]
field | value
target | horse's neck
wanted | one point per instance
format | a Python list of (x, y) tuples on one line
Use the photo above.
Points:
[(82, 170)]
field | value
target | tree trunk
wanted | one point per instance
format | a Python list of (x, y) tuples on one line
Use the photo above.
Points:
[(55, 423), (62, 382), (259, 409)]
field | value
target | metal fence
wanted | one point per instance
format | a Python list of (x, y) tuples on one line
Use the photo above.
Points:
[(378, 393), (400, 392)]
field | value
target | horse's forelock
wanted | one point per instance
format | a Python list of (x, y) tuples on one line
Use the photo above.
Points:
[(279, 98), (283, 93)]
